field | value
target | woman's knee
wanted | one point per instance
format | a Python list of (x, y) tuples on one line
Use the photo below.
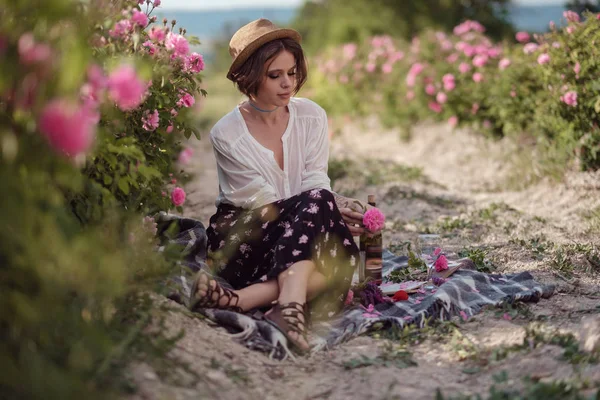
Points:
[(300, 270)]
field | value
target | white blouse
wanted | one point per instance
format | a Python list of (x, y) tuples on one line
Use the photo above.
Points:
[(249, 176)]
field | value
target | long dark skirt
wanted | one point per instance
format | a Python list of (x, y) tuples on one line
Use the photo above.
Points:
[(251, 246)]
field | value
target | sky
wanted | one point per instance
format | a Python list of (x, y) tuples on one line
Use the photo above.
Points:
[(213, 4)]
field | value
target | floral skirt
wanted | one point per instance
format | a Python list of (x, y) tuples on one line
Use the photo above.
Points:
[(251, 246)]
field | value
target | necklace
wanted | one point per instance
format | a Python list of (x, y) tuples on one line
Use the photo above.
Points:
[(260, 109)]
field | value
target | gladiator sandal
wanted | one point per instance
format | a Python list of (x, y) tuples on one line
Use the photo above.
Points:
[(208, 300), (290, 317)]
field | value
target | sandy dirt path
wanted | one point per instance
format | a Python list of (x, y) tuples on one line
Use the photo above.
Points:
[(451, 183)]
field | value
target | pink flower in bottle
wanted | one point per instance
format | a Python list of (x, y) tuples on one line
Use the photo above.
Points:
[(150, 120), (139, 18), (177, 44), (178, 196), (125, 88), (569, 98), (68, 127), (194, 63), (374, 220), (523, 37)]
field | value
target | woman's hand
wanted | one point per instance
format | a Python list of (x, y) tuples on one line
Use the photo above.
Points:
[(353, 220)]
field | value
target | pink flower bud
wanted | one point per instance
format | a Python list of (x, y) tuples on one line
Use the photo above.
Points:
[(178, 196)]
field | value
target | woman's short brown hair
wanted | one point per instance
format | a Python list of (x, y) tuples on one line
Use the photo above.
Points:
[(252, 72)]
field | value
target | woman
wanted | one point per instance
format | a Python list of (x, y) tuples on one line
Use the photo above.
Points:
[(279, 236)]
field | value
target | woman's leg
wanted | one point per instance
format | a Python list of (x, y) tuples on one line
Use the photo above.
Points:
[(261, 294)]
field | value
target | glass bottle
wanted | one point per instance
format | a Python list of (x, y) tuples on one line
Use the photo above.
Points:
[(373, 248)]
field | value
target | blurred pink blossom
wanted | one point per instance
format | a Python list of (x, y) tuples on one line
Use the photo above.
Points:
[(139, 18), (571, 16), (474, 108), (480, 60), (569, 98), (570, 29), (464, 67), (430, 89), (125, 88), (344, 79), (416, 69), (523, 37), (349, 51), (435, 107), (477, 77), (577, 68), (513, 93), (453, 121), (121, 29), (67, 127), (157, 3), (530, 48), (494, 52), (177, 44), (31, 52), (543, 58), (503, 64), (150, 120), (178, 196), (170, 128), (157, 34), (150, 47), (487, 124), (441, 97), (370, 67), (556, 45), (396, 56), (185, 156), (386, 68), (410, 95), (452, 58)]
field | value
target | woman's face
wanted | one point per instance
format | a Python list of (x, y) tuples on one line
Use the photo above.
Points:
[(279, 81)]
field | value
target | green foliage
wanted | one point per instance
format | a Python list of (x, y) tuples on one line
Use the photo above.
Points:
[(334, 22), (478, 256), (75, 251), (526, 99)]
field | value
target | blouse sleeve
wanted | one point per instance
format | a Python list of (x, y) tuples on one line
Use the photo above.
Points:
[(314, 175), (241, 185)]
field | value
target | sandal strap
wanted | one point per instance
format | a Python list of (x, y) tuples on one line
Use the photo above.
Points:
[(207, 300), (291, 312)]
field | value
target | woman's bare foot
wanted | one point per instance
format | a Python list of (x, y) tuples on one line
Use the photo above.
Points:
[(207, 293), (290, 318)]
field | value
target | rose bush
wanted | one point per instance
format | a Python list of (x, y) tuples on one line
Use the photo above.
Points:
[(96, 99), (540, 86)]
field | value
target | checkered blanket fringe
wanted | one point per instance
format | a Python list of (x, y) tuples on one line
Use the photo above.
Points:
[(464, 294)]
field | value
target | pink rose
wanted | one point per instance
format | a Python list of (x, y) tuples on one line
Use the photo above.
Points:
[(185, 156), (523, 37), (569, 98), (435, 107), (441, 97), (31, 52), (480, 60), (370, 67), (349, 51), (530, 48), (464, 67), (453, 121), (125, 88), (430, 89), (477, 77), (194, 63), (452, 58), (186, 100), (121, 29), (68, 128), (503, 64), (150, 47), (441, 264), (150, 120), (139, 18), (571, 16), (170, 128), (177, 44), (543, 59), (577, 68), (386, 68), (374, 220), (157, 34), (178, 196)]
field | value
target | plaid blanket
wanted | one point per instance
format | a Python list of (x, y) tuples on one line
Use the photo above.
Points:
[(464, 294)]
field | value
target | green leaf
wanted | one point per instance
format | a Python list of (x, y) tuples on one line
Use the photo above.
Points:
[(107, 179), (123, 185)]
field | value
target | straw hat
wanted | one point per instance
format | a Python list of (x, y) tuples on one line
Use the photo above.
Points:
[(253, 35)]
